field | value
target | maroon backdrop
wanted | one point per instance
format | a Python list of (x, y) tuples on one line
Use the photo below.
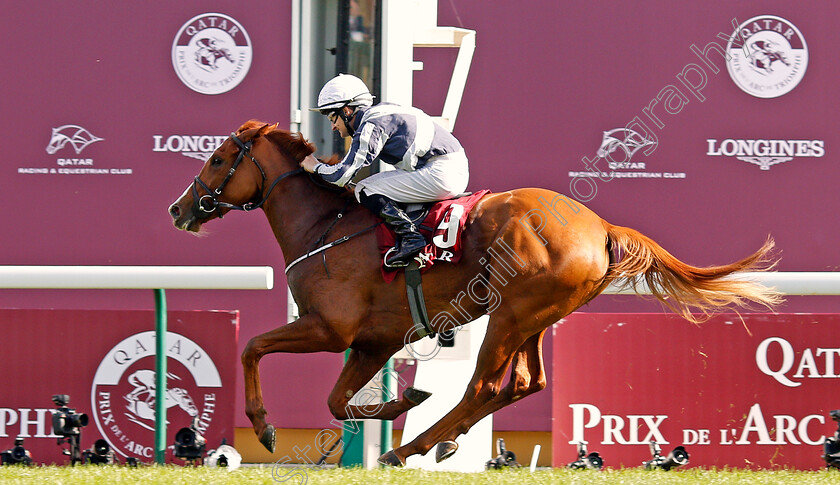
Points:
[(755, 393), (546, 82), (105, 361)]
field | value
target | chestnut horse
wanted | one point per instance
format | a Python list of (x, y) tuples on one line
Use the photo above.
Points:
[(530, 257)]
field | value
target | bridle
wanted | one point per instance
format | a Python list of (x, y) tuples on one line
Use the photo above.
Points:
[(205, 205)]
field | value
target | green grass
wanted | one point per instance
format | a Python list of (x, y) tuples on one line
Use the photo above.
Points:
[(174, 475)]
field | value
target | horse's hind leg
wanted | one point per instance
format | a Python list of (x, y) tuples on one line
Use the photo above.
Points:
[(494, 358), (527, 377), (360, 368), (307, 334)]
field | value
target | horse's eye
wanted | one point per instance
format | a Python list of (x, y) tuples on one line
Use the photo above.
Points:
[(216, 162)]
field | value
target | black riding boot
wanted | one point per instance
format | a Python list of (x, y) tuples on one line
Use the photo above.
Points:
[(409, 240)]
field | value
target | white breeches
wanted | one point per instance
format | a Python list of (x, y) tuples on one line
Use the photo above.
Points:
[(442, 177)]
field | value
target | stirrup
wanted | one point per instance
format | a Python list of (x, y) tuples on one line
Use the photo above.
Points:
[(397, 264)]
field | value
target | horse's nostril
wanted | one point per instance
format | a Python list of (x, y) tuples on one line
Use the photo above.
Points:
[(174, 210)]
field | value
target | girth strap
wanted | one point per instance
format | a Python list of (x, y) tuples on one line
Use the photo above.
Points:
[(416, 302)]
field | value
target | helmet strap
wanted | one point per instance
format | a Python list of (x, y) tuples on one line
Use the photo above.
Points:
[(347, 123)]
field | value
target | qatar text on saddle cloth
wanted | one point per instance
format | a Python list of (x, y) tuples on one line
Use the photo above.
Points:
[(442, 228)]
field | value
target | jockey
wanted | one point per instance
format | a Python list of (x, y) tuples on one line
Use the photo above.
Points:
[(430, 163)]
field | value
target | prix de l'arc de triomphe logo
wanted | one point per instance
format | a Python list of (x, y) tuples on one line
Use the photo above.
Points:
[(767, 56), (212, 53), (123, 394)]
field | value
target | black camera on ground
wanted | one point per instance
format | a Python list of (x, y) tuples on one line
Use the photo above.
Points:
[(677, 457), (832, 444), (17, 455), (66, 421), (189, 444), (100, 454), (592, 461), (68, 424), (505, 458)]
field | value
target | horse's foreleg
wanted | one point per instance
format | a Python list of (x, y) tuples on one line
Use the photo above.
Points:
[(494, 358), (307, 334), (360, 368)]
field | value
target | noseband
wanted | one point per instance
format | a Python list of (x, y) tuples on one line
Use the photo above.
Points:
[(209, 203)]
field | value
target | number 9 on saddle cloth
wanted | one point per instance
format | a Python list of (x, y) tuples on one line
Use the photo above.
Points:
[(441, 224)]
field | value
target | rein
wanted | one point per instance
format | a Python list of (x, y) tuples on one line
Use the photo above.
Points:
[(210, 203), (323, 238), (342, 239)]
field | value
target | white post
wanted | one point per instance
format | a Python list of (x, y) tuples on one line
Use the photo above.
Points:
[(535, 456), (138, 277), (446, 375), (407, 24)]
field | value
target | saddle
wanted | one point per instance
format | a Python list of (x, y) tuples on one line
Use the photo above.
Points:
[(440, 223), (419, 211)]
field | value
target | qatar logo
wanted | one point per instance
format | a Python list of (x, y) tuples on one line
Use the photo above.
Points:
[(75, 135), (624, 141), (767, 56), (212, 53), (123, 395)]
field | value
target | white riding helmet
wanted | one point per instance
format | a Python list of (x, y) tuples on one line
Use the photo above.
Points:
[(343, 90)]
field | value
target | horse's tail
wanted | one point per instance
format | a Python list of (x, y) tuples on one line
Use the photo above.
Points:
[(686, 289)]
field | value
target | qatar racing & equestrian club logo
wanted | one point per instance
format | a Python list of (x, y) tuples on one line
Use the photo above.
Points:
[(78, 137), (767, 56), (123, 395), (625, 142), (212, 53)]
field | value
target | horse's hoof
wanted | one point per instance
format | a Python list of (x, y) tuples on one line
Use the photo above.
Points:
[(445, 449), (415, 396), (390, 459), (268, 438)]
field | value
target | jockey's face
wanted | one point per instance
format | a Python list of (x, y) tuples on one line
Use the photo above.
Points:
[(337, 123)]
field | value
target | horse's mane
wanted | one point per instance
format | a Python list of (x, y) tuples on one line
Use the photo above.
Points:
[(295, 145)]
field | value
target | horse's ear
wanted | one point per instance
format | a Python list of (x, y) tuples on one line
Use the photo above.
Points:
[(249, 125), (266, 128)]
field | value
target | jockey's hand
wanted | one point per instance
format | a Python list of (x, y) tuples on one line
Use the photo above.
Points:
[(309, 163)]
